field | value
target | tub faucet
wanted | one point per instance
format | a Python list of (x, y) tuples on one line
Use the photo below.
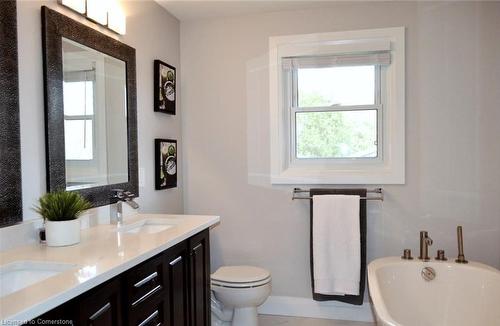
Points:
[(425, 242), (461, 257), (117, 209)]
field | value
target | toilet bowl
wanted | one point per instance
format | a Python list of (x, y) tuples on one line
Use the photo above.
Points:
[(237, 292)]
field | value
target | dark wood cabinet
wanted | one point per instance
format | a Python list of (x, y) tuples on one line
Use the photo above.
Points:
[(64, 313), (145, 288), (199, 265), (170, 289), (178, 294), (101, 307)]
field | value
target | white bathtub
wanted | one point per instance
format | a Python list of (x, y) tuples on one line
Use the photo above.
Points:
[(460, 294)]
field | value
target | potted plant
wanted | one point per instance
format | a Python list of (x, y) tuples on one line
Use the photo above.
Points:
[(60, 211)]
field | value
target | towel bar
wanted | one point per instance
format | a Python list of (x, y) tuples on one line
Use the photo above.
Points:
[(375, 191)]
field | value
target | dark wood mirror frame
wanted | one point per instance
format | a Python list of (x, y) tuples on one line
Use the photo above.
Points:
[(10, 147), (55, 26)]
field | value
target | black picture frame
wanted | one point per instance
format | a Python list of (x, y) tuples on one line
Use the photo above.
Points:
[(10, 147), (163, 88), (165, 163), (55, 26)]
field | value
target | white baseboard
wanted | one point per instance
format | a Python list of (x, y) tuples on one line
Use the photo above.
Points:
[(307, 307)]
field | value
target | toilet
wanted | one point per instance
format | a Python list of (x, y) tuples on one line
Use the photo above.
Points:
[(237, 291)]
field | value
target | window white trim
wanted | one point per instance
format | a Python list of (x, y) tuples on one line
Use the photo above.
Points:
[(390, 169)]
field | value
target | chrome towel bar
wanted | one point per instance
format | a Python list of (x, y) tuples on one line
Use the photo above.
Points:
[(378, 191)]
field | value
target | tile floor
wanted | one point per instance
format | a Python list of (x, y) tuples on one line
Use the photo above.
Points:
[(268, 320)]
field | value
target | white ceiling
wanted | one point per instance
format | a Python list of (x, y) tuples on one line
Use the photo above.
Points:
[(186, 10)]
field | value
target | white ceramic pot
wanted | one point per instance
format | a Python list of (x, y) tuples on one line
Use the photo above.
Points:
[(62, 233)]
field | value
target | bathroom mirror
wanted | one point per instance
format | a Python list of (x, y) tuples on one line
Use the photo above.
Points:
[(10, 148), (90, 110), (95, 117)]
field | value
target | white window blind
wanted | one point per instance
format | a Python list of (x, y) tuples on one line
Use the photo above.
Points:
[(357, 59)]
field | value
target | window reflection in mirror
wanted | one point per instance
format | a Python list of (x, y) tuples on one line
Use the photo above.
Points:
[(95, 117)]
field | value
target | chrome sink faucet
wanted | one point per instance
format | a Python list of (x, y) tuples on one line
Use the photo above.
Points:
[(117, 209), (425, 242)]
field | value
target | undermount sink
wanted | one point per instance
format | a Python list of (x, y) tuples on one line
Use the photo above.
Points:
[(434, 293), (150, 226), (18, 275)]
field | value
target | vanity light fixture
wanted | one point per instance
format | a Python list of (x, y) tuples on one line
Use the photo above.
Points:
[(116, 18), (107, 13), (97, 10), (77, 5)]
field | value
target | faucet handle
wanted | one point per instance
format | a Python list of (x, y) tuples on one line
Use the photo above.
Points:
[(118, 193), (407, 254), (441, 256), (129, 194)]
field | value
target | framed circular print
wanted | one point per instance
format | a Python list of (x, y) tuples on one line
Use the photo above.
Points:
[(165, 163), (165, 87)]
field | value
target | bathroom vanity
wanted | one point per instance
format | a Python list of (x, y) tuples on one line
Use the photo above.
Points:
[(154, 270)]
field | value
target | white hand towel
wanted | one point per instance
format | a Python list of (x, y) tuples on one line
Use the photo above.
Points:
[(336, 244)]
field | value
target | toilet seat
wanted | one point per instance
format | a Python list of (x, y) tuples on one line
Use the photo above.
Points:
[(241, 285), (240, 277)]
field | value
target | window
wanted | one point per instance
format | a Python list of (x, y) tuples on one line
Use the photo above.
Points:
[(79, 115), (337, 107), (334, 111)]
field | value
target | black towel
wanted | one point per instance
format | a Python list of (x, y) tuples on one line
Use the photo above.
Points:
[(352, 299)]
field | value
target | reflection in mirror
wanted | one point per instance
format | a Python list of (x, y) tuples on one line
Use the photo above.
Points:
[(95, 117)]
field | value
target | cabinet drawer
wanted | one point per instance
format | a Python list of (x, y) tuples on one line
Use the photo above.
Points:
[(145, 282), (153, 314)]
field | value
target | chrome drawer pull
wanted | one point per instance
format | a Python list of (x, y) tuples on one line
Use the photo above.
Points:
[(99, 312), (147, 295), (150, 318), (197, 247), (146, 280), (175, 261)]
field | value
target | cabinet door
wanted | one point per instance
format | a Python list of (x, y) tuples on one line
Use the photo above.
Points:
[(65, 314), (101, 306), (199, 251), (176, 260)]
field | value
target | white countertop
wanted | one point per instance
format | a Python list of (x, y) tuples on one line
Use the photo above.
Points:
[(101, 255)]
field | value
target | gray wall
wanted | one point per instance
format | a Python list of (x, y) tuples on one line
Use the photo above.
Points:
[(452, 147), (154, 33)]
